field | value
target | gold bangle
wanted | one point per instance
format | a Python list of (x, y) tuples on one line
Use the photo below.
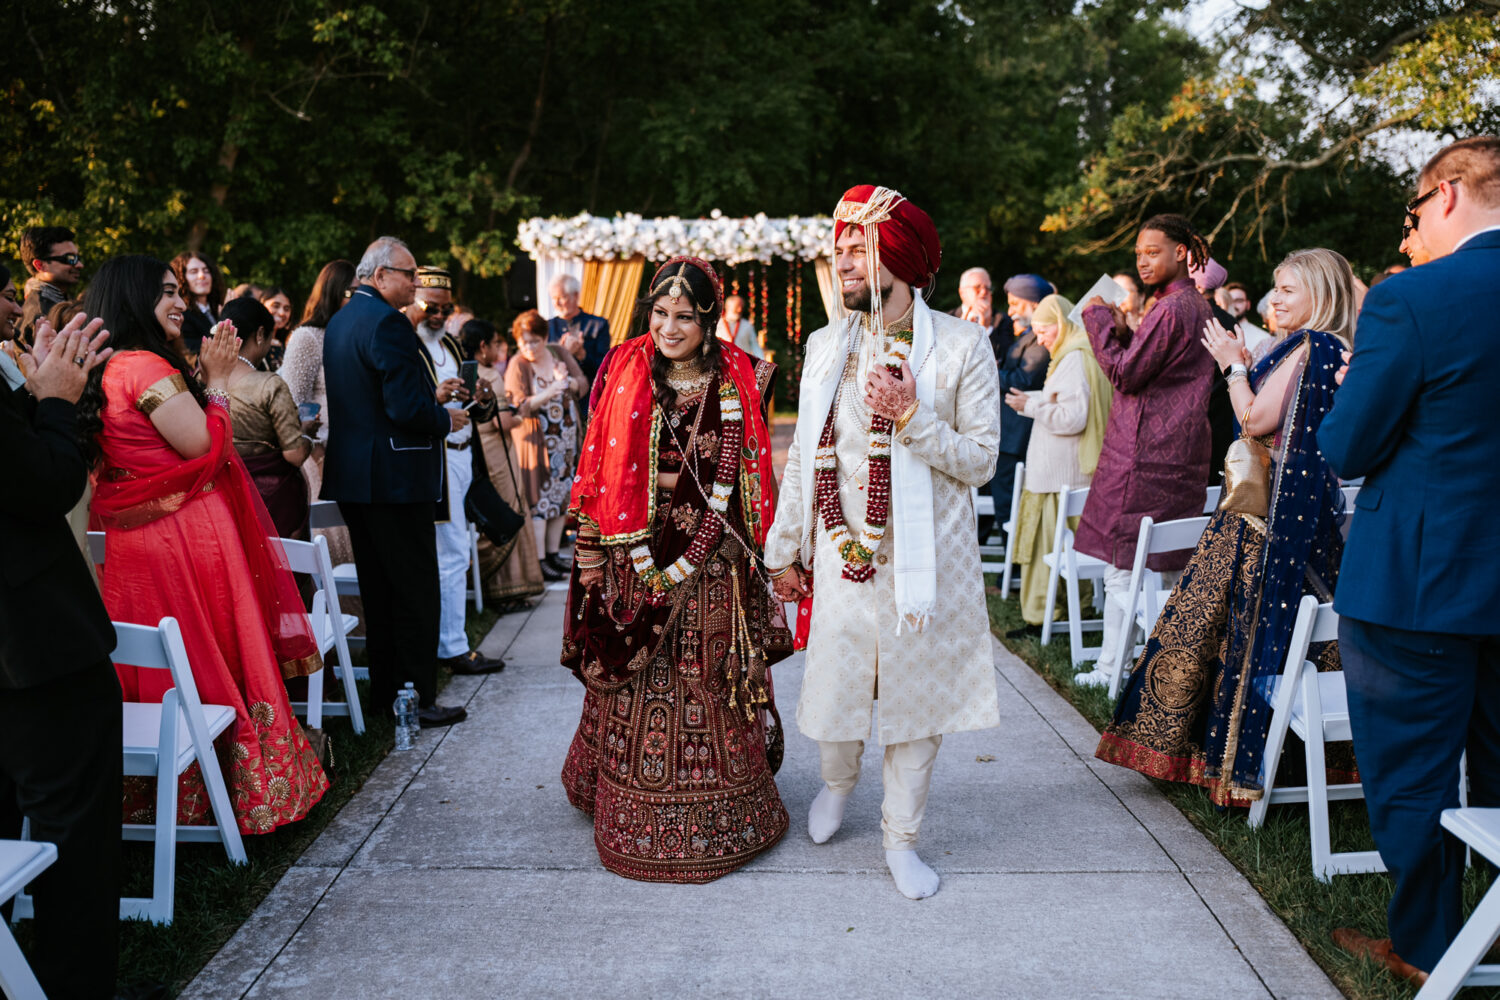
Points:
[(911, 411), (1245, 417), (777, 574)]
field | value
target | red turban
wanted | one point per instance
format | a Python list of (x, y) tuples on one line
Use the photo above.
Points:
[(909, 243)]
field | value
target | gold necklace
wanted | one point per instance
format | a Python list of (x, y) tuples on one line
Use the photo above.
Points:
[(688, 377)]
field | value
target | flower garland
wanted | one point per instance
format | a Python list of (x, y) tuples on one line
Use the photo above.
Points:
[(661, 582), (858, 553), (718, 237)]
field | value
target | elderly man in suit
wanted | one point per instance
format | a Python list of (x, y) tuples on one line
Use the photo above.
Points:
[(55, 671), (1418, 590), (385, 466)]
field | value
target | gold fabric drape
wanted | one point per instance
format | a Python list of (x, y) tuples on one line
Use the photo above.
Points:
[(823, 268), (610, 288)]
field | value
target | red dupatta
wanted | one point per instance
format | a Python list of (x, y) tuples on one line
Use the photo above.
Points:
[(128, 502), (612, 487)]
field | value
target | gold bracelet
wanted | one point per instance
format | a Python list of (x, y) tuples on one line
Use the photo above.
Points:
[(911, 411), (1245, 417)]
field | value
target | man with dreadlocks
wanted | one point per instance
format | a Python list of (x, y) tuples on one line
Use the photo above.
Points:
[(897, 420), (1156, 448)]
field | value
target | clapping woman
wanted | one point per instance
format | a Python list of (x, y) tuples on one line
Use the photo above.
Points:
[(544, 384), (670, 624), (1198, 704), (187, 536)]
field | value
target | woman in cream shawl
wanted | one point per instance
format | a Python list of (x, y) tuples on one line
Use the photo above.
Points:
[(1069, 414)]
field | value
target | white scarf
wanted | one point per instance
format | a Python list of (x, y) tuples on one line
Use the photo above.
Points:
[(913, 537)]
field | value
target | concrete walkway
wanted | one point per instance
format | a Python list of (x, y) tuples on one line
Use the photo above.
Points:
[(460, 870)]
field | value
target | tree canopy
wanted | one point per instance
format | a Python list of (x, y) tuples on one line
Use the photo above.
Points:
[(276, 136)]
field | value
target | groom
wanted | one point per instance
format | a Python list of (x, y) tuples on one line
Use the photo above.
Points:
[(898, 420)]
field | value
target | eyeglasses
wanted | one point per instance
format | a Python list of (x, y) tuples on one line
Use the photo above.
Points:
[(70, 259), (1408, 227), (410, 272), (431, 307), (1419, 200)]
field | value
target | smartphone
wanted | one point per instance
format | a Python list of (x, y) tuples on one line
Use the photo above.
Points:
[(469, 372), (308, 411)]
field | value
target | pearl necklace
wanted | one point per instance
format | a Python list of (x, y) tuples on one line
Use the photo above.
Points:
[(688, 377)]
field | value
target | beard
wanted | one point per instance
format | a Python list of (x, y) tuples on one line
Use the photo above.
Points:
[(858, 300)]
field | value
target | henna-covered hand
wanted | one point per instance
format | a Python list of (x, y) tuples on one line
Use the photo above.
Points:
[(888, 395)]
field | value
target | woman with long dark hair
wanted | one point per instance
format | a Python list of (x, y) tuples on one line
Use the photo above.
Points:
[(278, 301), (201, 285), (1197, 707), (671, 625), (187, 535)]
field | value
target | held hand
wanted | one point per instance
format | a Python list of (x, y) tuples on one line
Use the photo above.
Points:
[(457, 420), (1338, 376), (1016, 400), (483, 392), (591, 579), (220, 353), (450, 388), (888, 395), (1227, 347), (1122, 324), (792, 585), (311, 425), (572, 342), (64, 372)]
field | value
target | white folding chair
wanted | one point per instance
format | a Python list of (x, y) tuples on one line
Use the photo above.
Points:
[(1010, 530), (1315, 706), (1459, 966), (20, 862), (1072, 566), (1211, 500), (162, 741), (331, 628), (1147, 595), (325, 514), (476, 579)]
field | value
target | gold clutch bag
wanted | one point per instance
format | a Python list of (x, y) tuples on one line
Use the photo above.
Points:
[(1247, 478)]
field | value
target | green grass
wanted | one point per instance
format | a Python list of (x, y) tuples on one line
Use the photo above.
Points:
[(1276, 859), (214, 897)]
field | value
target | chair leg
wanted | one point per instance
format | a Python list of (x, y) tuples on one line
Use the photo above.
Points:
[(17, 981), (1075, 619), (164, 867), (1317, 780), (218, 797), (346, 671), (315, 698), (1466, 950), (1052, 574)]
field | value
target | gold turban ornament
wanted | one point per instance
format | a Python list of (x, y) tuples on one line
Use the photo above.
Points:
[(434, 277)]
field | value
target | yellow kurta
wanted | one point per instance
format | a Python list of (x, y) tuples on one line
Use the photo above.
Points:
[(940, 680)]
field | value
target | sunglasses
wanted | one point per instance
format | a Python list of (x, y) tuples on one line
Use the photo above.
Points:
[(429, 308), (1413, 219), (410, 272), (70, 259)]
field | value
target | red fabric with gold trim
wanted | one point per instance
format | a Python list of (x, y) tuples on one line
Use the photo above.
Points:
[(610, 487), (909, 243)]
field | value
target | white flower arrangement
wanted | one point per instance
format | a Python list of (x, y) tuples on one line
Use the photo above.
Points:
[(716, 238)]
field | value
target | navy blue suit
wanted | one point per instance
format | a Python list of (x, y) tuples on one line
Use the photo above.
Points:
[(386, 466), (1419, 587)]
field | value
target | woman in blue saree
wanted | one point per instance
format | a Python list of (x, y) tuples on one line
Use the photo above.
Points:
[(1197, 707)]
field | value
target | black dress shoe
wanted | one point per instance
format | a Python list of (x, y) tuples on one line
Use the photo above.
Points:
[(1025, 631), (549, 574), (441, 715), (558, 566), (473, 662)]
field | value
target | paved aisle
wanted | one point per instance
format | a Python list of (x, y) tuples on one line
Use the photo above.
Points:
[(461, 871)]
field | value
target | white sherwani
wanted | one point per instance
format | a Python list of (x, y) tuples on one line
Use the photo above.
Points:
[(939, 680)]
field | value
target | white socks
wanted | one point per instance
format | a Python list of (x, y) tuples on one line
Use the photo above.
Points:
[(913, 878), (825, 815)]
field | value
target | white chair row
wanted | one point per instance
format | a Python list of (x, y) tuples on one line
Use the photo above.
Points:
[(1459, 966), (20, 862)]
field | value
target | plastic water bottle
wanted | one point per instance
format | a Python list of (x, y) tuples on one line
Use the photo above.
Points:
[(406, 718)]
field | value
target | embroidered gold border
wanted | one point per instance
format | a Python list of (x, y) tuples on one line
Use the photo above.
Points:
[(159, 392)]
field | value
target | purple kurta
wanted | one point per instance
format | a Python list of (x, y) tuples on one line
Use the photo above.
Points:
[(1156, 448)]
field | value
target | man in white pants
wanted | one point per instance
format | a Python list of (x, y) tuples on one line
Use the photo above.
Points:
[(428, 312), (898, 420)]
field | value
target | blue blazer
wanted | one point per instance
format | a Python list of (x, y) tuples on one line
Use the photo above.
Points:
[(1413, 417), (595, 330), (385, 425)]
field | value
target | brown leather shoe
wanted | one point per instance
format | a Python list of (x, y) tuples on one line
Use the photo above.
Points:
[(1379, 951)]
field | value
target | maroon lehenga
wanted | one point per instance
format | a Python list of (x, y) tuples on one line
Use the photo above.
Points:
[(676, 751)]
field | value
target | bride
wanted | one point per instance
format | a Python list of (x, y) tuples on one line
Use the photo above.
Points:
[(670, 624)]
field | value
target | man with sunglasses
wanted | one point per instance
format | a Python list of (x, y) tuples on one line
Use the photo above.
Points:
[(53, 270), (1418, 588)]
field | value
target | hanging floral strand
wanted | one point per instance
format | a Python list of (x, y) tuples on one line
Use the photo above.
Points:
[(765, 296), (796, 331)]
